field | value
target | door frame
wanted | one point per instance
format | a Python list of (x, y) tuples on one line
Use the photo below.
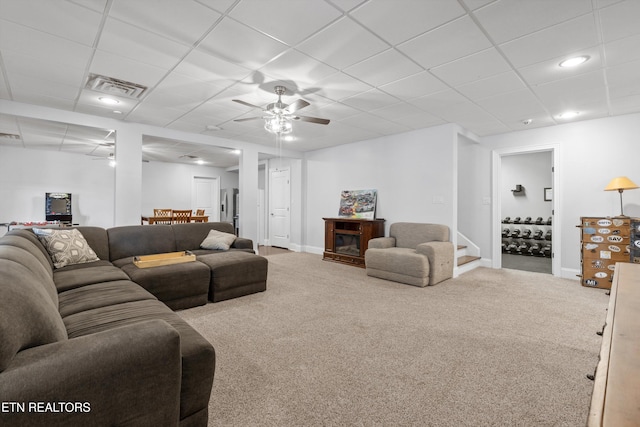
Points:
[(496, 177)]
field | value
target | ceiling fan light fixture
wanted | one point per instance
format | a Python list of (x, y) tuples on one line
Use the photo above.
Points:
[(278, 125)]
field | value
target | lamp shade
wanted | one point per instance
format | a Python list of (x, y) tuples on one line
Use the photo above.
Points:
[(620, 183)]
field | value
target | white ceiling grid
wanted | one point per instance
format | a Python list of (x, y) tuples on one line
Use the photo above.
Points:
[(373, 67)]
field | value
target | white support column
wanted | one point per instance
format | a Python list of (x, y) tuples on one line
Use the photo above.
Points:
[(249, 195), (128, 176)]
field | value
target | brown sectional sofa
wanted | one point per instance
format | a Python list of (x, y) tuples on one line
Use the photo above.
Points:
[(98, 343)]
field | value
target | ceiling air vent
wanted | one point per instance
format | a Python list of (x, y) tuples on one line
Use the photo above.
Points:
[(116, 87), (11, 136)]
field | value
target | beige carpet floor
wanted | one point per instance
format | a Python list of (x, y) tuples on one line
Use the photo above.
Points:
[(326, 345)]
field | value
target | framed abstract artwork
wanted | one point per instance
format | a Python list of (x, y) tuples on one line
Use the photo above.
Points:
[(358, 204)]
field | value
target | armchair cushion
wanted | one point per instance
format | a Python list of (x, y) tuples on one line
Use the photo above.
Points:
[(415, 254)]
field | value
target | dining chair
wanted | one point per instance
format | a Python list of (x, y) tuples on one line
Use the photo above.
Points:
[(181, 216), (199, 212), (164, 213)]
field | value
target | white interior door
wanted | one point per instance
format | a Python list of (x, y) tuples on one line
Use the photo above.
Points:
[(205, 195), (279, 207)]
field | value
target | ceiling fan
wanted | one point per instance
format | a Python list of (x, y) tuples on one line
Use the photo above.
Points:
[(278, 115)]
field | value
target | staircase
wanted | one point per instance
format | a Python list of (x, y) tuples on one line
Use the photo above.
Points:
[(467, 256)]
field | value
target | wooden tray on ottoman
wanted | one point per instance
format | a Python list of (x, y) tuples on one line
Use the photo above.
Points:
[(156, 260)]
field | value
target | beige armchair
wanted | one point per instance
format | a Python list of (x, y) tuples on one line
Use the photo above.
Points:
[(415, 254)]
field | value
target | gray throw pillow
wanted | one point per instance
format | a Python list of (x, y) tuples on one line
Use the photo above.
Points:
[(218, 240), (66, 247)]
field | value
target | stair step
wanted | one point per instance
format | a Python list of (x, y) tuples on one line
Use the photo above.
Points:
[(466, 259), (461, 247)]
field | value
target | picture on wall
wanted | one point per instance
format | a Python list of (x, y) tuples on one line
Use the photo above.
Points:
[(358, 204)]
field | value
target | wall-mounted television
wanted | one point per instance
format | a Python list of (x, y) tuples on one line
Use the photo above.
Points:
[(58, 207)]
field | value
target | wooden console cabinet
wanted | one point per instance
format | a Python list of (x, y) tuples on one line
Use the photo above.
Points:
[(347, 239), (615, 401)]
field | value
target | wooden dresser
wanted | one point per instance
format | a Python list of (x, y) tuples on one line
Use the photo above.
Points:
[(615, 401)]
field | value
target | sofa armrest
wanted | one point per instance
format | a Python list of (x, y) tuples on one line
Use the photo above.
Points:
[(128, 375), (382, 242), (440, 255), (242, 243)]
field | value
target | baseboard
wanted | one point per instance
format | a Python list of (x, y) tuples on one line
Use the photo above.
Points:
[(569, 273), (312, 250)]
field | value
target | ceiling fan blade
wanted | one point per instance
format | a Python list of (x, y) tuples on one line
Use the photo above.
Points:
[(313, 120), (247, 119), (239, 101), (298, 105)]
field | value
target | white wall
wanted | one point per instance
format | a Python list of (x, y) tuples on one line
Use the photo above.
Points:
[(474, 194), (168, 185), (413, 173), (590, 154), (533, 172), (26, 175)]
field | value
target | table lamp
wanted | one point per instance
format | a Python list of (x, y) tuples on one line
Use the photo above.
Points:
[(621, 183)]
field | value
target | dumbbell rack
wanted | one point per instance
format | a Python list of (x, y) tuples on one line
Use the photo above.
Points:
[(527, 237)]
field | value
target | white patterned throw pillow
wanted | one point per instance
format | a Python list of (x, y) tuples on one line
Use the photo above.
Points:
[(218, 240), (66, 247)]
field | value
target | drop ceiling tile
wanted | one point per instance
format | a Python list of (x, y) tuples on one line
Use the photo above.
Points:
[(370, 100), (517, 105), (194, 18), (399, 20), (48, 16), (622, 50), (199, 65), (241, 45), (29, 42), (472, 68), (155, 115), (37, 98), (509, 19), (298, 68), (626, 105), (623, 80), (620, 20), (26, 84), (549, 70), (386, 67), (434, 102), (395, 111), (285, 20), (342, 44), (347, 5), (340, 86), (140, 45), (417, 85), (447, 43), (563, 39), (221, 6), (49, 70), (419, 120), (573, 93), (536, 122), (477, 4), (491, 86)]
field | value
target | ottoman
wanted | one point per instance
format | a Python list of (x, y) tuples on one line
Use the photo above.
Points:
[(235, 274)]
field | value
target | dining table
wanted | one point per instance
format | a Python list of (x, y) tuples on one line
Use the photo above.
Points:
[(171, 219)]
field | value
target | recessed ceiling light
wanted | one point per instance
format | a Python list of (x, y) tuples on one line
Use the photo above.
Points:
[(108, 101), (236, 151), (213, 127), (200, 162), (568, 115), (527, 122), (572, 62), (117, 112)]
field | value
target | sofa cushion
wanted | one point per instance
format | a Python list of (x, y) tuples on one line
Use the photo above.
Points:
[(30, 236), (74, 276), (31, 247), (189, 236), (97, 239), (218, 240), (198, 357), (170, 282), (28, 316), (134, 240), (398, 264), (35, 267), (65, 246), (101, 295), (410, 235)]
